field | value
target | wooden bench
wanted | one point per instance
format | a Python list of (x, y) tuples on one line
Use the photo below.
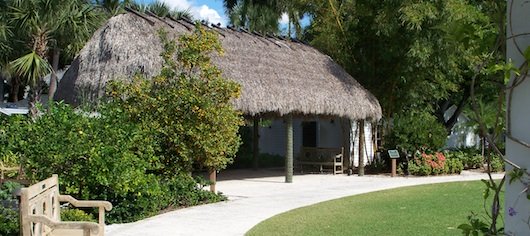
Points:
[(323, 158), (40, 212)]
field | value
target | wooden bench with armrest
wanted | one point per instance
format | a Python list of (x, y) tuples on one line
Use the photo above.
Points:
[(40, 212), (323, 158)]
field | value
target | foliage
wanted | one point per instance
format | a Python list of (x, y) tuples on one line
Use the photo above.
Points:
[(434, 164), (378, 165), (187, 106), (496, 163), (9, 216), (35, 33), (9, 222), (482, 225), (470, 158), (430, 47), (72, 214), (414, 131), (264, 16), (107, 163), (474, 227)]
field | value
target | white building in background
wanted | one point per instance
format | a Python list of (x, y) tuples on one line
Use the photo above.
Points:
[(462, 134), (517, 206)]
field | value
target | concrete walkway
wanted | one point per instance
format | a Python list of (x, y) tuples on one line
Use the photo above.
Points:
[(256, 196)]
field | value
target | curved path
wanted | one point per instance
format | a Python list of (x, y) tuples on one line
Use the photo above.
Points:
[(257, 195)]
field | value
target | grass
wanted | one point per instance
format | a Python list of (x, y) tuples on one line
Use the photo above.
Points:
[(435, 209)]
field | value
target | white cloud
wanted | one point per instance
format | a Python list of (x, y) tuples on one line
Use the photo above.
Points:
[(198, 12), (205, 13), (284, 20), (179, 4)]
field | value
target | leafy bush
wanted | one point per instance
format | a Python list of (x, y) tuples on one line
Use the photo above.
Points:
[(470, 158), (417, 131), (434, 164), (9, 222), (496, 164), (187, 106), (9, 216), (71, 214), (378, 165), (453, 166)]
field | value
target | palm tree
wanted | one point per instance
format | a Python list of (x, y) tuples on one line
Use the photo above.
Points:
[(41, 25), (263, 16), (160, 9)]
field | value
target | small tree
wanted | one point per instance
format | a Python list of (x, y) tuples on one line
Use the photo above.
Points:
[(417, 131), (188, 105)]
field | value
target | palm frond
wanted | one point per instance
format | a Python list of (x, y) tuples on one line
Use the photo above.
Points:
[(176, 14), (159, 8), (31, 68)]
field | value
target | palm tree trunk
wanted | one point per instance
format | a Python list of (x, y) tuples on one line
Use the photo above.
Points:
[(53, 77), (289, 149), (13, 92), (255, 142), (34, 97)]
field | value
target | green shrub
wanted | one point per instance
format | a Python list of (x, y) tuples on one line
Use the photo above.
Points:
[(419, 168), (496, 164), (475, 162), (453, 166), (71, 214), (9, 216), (414, 131), (9, 221), (188, 105), (470, 157), (435, 164)]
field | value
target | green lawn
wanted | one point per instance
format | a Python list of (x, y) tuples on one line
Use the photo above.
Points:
[(435, 209)]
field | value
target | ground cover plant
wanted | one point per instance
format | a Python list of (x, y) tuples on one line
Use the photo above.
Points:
[(418, 210)]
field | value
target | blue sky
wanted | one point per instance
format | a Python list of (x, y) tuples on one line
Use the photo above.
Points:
[(210, 10)]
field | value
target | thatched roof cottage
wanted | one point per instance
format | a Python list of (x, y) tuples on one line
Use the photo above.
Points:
[(278, 77)]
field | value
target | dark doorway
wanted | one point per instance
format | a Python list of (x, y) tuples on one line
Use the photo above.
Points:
[(309, 134)]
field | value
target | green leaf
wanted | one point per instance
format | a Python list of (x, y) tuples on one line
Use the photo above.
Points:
[(516, 174), (31, 67)]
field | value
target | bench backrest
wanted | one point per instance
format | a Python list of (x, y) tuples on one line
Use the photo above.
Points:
[(318, 154), (41, 198)]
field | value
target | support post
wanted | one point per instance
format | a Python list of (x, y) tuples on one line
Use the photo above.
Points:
[(289, 149), (255, 142), (394, 167), (361, 147), (213, 180)]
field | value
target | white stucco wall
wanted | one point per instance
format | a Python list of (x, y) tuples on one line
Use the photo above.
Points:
[(520, 121)]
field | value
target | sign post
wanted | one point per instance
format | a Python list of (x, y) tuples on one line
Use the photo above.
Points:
[(394, 154)]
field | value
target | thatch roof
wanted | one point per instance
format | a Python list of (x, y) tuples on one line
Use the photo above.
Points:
[(277, 76)]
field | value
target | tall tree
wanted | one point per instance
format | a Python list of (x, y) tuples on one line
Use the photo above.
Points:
[(263, 16), (44, 27), (405, 52)]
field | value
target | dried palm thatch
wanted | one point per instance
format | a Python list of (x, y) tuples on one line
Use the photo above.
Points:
[(277, 76)]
